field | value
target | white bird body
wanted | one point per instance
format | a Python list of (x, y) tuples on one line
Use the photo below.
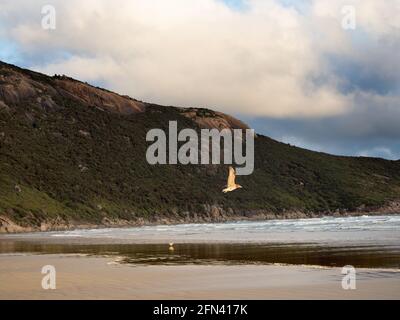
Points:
[(231, 184)]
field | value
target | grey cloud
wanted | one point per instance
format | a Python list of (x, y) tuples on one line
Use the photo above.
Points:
[(366, 130)]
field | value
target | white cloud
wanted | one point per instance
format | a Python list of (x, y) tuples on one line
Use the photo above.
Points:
[(262, 61)]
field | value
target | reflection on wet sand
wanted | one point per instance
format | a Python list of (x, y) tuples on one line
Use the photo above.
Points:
[(367, 256)]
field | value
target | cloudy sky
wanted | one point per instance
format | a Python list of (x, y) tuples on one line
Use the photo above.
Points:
[(293, 70)]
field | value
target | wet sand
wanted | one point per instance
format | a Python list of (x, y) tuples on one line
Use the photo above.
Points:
[(83, 277), (244, 260)]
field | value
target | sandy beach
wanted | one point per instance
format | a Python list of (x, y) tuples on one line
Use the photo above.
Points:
[(82, 277), (280, 259)]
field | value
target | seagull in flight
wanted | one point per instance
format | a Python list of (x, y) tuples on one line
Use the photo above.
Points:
[(231, 185)]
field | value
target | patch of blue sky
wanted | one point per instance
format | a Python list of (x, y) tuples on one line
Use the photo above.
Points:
[(9, 52), (48, 57), (240, 5), (101, 83), (301, 6), (360, 37)]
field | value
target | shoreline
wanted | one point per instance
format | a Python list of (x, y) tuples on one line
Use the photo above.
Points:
[(8, 226), (367, 241), (81, 277)]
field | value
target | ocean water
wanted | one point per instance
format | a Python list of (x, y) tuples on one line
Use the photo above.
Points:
[(327, 229), (364, 241)]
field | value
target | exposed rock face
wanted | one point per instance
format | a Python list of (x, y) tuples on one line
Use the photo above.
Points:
[(209, 119), (213, 214), (17, 87), (99, 98), (21, 87), (9, 226)]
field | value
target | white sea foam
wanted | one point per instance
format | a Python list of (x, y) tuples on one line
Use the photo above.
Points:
[(378, 229)]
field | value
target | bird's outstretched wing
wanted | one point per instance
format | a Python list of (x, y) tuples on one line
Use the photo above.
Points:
[(231, 178)]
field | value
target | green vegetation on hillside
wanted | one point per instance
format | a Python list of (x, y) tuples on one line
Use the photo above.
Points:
[(81, 163)]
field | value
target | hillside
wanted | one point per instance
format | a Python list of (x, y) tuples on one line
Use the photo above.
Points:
[(74, 155)]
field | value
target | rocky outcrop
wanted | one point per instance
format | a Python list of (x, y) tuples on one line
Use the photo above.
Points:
[(9, 226), (99, 98), (212, 214), (18, 87), (208, 119)]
